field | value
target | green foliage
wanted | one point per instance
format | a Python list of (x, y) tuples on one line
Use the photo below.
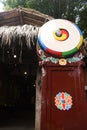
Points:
[(67, 9), (83, 20), (14, 3)]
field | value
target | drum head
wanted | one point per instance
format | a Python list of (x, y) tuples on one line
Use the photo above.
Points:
[(60, 38)]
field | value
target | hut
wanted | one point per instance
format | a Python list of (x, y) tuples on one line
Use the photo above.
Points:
[(20, 78)]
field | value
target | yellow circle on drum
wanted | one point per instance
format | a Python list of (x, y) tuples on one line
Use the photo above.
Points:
[(60, 38), (61, 34)]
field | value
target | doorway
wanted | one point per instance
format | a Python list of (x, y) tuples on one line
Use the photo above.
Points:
[(17, 96)]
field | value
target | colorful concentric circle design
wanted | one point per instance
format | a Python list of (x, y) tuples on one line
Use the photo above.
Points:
[(60, 38), (63, 101), (61, 34)]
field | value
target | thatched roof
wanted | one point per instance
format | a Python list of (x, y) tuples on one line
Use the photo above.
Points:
[(23, 16), (21, 34), (18, 33), (15, 38)]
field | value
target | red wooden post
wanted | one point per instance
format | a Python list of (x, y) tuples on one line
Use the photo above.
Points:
[(63, 102), (69, 79)]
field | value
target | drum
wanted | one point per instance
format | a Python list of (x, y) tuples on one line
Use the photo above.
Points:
[(60, 38)]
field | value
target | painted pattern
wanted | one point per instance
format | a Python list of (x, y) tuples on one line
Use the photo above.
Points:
[(61, 34), (63, 101)]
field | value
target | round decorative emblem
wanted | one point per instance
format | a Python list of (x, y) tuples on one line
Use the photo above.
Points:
[(62, 62), (61, 34), (63, 101), (60, 38)]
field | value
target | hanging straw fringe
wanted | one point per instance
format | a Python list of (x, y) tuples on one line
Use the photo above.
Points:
[(12, 36), (20, 34)]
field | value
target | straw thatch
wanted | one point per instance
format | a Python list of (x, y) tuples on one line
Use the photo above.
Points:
[(21, 16), (18, 36), (26, 34), (18, 31)]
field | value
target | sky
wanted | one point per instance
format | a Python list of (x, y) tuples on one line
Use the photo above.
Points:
[(1, 7)]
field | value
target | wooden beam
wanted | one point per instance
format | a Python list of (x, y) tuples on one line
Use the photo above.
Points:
[(10, 21), (21, 17), (8, 16), (34, 16), (38, 99), (32, 21)]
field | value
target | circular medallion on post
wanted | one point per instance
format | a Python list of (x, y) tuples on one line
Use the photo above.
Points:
[(63, 101)]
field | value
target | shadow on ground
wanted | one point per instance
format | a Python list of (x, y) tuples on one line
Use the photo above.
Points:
[(17, 118)]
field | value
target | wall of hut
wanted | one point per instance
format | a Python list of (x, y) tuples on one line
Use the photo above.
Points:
[(18, 35), (20, 41), (38, 98)]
